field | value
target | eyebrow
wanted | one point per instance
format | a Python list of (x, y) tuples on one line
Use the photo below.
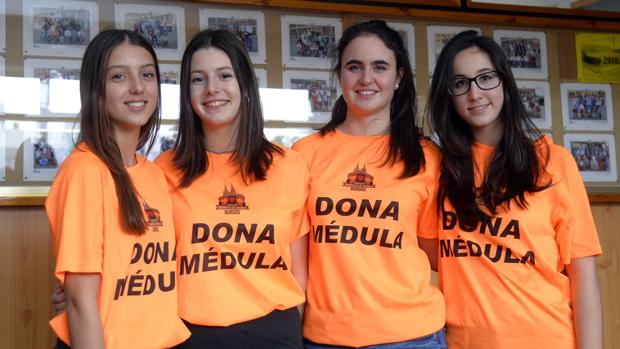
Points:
[(126, 66), (377, 62), (478, 72), (218, 69)]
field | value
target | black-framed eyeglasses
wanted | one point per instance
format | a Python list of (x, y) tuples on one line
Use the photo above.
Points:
[(485, 81)]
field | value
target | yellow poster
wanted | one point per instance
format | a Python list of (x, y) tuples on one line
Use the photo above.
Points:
[(598, 57)]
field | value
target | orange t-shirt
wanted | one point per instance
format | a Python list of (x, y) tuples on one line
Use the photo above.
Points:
[(234, 239), (369, 282), (137, 295), (503, 281)]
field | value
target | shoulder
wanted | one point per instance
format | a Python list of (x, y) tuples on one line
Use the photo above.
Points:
[(432, 154), (165, 161), (291, 160), (308, 142), (82, 162)]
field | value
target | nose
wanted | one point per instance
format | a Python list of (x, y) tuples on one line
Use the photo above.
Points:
[(474, 91), (366, 77), (212, 87), (137, 85)]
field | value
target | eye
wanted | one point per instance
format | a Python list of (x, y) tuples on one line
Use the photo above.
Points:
[(226, 76), (486, 77), (381, 68), (198, 79), (117, 77), (459, 83), (354, 68), (149, 75)]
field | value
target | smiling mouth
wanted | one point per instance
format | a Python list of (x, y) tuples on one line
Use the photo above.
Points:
[(366, 92), (215, 103), (478, 107), (137, 104)]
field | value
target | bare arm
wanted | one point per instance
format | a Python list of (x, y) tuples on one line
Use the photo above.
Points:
[(430, 246), (299, 267), (586, 299), (84, 323)]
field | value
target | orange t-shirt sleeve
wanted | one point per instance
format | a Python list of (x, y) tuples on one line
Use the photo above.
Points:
[(75, 211), (577, 235), (301, 220)]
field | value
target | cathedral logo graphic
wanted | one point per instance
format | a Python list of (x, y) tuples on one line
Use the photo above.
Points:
[(153, 219), (359, 179), (231, 201)]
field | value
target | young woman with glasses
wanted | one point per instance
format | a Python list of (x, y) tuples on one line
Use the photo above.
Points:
[(517, 241)]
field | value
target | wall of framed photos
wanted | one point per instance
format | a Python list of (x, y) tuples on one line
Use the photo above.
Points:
[(289, 42)]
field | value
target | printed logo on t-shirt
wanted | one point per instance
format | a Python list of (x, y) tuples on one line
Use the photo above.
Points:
[(153, 219), (231, 201), (359, 179)]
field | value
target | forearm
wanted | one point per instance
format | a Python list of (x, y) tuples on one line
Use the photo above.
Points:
[(586, 300), (85, 328), (299, 267)]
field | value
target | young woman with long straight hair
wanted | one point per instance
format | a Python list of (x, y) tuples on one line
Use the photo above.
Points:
[(517, 243), (108, 206), (372, 193), (239, 207)]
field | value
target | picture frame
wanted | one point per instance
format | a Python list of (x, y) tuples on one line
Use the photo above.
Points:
[(46, 20), (2, 66), (261, 77), (248, 26), (2, 152), (587, 106), (437, 37), (595, 155), (162, 26), (407, 33), (58, 98), (2, 26), (526, 52), (170, 91), (286, 136), (322, 92), (536, 98), (165, 140), (44, 151), (307, 42)]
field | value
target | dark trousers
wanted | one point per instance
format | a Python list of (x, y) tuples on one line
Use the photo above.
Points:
[(276, 330)]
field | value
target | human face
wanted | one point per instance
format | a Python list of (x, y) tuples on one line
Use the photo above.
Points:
[(368, 76), (214, 90), (131, 93), (479, 108)]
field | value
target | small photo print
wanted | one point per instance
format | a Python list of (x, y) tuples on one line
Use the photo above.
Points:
[(309, 41), (437, 37), (587, 106), (59, 85), (44, 151), (322, 93), (248, 27), (162, 26), (261, 77), (536, 99), (170, 91), (2, 26), (526, 52), (59, 28), (595, 156), (165, 140), (407, 33)]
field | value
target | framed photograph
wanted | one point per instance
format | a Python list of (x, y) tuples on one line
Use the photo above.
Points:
[(162, 26), (248, 26), (59, 27), (286, 136), (309, 41), (526, 52), (587, 106), (2, 26), (170, 91), (165, 140), (595, 155), (44, 151), (261, 77), (437, 37), (407, 33), (2, 68), (536, 99), (322, 93), (59, 87)]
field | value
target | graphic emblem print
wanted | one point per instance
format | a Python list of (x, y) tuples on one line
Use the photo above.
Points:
[(359, 179), (231, 201)]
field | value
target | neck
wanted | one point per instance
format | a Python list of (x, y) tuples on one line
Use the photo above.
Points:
[(127, 141), (490, 135), (220, 139), (373, 125)]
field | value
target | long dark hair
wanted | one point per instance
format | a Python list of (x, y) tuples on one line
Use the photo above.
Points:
[(97, 129), (404, 144), (253, 152), (516, 167)]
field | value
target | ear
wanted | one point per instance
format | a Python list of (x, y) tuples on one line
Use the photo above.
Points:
[(399, 76)]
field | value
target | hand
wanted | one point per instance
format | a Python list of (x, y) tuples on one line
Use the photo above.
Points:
[(59, 299)]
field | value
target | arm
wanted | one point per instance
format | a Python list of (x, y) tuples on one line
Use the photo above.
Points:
[(586, 300), (299, 265), (59, 299), (84, 323), (429, 246)]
